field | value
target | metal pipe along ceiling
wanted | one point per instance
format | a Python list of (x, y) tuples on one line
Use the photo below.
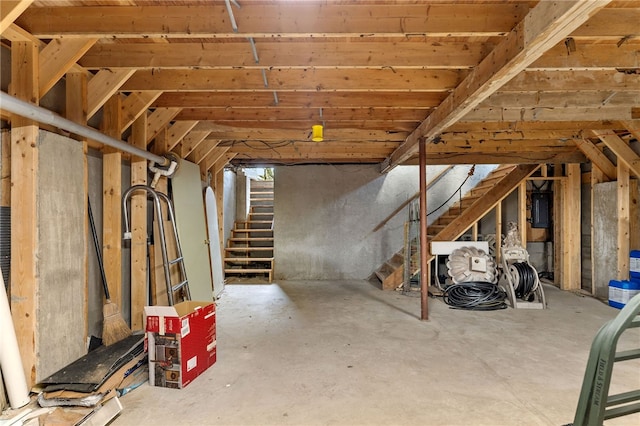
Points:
[(34, 112)]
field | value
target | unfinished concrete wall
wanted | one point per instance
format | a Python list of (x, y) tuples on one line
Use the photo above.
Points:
[(325, 216), (61, 266), (605, 232), (229, 202), (242, 196)]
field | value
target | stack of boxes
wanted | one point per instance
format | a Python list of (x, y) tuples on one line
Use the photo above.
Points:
[(620, 292)]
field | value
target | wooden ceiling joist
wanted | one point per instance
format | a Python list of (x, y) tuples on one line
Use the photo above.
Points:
[(286, 19), (543, 27)]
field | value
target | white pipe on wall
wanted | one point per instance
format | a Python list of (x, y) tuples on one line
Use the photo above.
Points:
[(10, 360), (34, 112)]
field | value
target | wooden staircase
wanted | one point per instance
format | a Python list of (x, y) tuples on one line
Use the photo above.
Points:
[(455, 222), (249, 251)]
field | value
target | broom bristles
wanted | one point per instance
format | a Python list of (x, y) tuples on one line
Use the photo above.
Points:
[(114, 328)]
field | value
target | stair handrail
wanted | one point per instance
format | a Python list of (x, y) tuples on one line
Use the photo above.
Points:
[(412, 198)]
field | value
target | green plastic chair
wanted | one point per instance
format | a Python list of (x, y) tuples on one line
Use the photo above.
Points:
[(595, 405)]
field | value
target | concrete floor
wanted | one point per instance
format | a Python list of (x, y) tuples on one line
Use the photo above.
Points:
[(346, 353)]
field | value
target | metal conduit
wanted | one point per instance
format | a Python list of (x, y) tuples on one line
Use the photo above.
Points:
[(37, 113)]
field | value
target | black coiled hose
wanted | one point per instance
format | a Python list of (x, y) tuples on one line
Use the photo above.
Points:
[(475, 296), (527, 281)]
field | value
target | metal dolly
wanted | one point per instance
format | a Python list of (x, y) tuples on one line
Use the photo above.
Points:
[(166, 263), (595, 404)]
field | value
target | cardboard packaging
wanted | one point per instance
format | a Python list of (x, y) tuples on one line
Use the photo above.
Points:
[(181, 342)]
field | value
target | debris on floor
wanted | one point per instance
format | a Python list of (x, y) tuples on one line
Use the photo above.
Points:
[(86, 391)]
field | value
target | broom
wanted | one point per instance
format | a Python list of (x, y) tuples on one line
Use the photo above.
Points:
[(114, 328)]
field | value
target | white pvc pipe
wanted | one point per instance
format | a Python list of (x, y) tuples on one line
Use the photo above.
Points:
[(34, 112), (10, 360)]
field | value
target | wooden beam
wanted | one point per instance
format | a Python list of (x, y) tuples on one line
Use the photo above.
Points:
[(202, 147), (633, 126), (10, 10), (571, 241), (222, 162), (191, 141), (139, 270), (623, 151), (158, 120), (597, 157), (58, 57), (298, 19), (24, 210), (544, 26), (596, 112), (211, 159), (317, 80), (307, 115), (562, 98), (178, 131), (286, 53), (425, 249), (624, 213), (135, 105), (222, 99), (103, 86), (111, 201)]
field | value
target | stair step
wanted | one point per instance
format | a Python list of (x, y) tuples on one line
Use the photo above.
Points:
[(250, 239), (248, 248), (247, 271), (247, 259), (250, 222), (261, 193), (260, 214), (249, 230)]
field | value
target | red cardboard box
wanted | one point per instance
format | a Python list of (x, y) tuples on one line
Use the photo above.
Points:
[(181, 341)]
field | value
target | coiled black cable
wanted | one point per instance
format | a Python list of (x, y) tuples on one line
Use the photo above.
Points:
[(527, 281), (475, 296)]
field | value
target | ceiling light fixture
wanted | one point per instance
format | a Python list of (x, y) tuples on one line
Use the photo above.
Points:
[(317, 130), (316, 133)]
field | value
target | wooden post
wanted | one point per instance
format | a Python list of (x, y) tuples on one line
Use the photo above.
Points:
[(499, 232), (76, 110), (138, 226), (571, 236), (522, 213), (597, 176), (111, 201), (623, 222), (558, 208), (219, 192), (24, 213), (424, 243)]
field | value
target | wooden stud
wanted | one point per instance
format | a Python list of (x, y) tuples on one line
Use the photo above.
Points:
[(139, 271), (570, 232), (24, 212), (558, 208), (522, 213), (624, 212), (111, 201), (5, 179)]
